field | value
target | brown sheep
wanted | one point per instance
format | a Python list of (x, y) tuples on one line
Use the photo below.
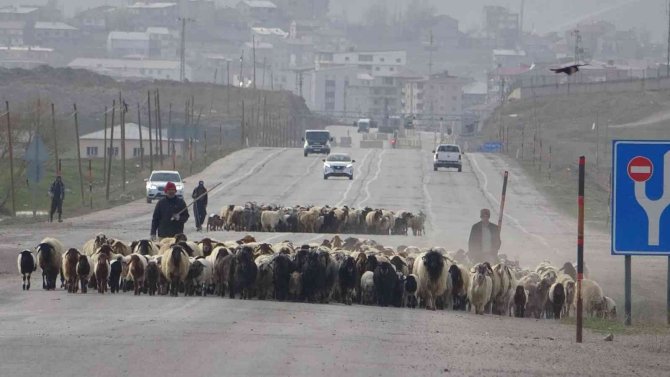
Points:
[(69, 269), (102, 272)]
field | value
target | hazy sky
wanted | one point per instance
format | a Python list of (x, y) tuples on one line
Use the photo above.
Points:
[(540, 15)]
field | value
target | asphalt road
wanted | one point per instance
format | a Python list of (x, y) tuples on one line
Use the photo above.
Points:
[(125, 335)]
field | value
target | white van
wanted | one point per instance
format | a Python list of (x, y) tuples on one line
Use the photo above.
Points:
[(316, 142), (447, 156)]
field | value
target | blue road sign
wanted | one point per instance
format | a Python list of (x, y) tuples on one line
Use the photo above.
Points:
[(36, 150), (35, 171), (491, 146), (640, 197)]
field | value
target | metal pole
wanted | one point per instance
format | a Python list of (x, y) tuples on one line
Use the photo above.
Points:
[(580, 246), (627, 291), (242, 127), (159, 124), (502, 200), (81, 173), (111, 152), (11, 158), (151, 144), (90, 183), (53, 127), (139, 129), (122, 108), (104, 149)]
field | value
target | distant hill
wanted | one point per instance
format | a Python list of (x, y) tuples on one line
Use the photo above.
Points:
[(542, 15)]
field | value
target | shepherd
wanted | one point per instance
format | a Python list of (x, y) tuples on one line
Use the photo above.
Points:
[(57, 194), (200, 205), (170, 214)]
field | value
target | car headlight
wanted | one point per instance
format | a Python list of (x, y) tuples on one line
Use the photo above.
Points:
[(327, 166), (350, 166)]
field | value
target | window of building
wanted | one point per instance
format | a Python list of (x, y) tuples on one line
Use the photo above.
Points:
[(377, 69), (116, 152), (365, 58), (388, 80), (92, 151), (419, 85), (330, 83), (137, 152), (391, 69), (398, 60), (365, 66), (346, 58), (330, 94), (381, 59)]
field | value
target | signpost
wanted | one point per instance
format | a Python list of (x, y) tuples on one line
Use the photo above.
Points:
[(36, 155), (640, 202)]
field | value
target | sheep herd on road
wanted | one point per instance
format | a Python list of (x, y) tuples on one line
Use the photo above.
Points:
[(346, 271), (311, 219)]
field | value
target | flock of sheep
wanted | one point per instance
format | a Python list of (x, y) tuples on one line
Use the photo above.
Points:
[(346, 271), (254, 218)]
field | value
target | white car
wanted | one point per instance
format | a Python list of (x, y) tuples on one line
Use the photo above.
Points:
[(338, 165), (157, 181), (447, 156)]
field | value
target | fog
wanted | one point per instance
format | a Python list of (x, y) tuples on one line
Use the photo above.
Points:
[(540, 15)]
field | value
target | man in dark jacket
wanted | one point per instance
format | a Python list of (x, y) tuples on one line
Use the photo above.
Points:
[(57, 194), (167, 220), (200, 205), (484, 240)]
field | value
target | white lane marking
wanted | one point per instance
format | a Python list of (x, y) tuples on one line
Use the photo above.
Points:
[(429, 200), (366, 188), (296, 181), (248, 173), (351, 183), (483, 186)]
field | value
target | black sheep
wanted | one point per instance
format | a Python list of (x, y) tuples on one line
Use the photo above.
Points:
[(385, 281), (459, 299), (411, 286), (281, 272), (399, 290), (152, 276), (371, 263), (313, 277), (83, 272), (520, 302), (347, 279), (245, 273), (115, 275), (557, 300)]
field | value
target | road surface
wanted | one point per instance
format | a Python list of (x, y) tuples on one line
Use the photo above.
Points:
[(125, 335)]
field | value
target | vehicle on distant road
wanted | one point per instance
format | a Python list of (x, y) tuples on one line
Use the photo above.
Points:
[(447, 156), (316, 141), (363, 125), (338, 165), (158, 179)]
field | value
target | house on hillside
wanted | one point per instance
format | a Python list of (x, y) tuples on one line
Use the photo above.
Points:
[(92, 145), (54, 33), (132, 69)]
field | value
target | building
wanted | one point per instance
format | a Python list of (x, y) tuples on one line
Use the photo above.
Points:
[(95, 19), (25, 57), (123, 43), (436, 96), (376, 63), (329, 88), (304, 9), (54, 33), (501, 27), (19, 13), (510, 58), (261, 11), (13, 33), (132, 69), (162, 43), (92, 145), (445, 31), (143, 14)]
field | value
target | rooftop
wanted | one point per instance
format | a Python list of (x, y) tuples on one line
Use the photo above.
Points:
[(158, 30), (13, 9), (128, 35), (54, 26), (259, 4), (91, 63), (132, 133), (151, 5), (269, 31), (26, 48), (503, 52)]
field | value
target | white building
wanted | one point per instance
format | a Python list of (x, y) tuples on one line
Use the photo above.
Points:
[(125, 69), (377, 63), (122, 43), (92, 145)]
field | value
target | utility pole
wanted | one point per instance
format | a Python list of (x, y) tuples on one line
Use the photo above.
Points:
[(667, 68), (430, 73), (11, 158), (182, 48), (253, 51), (241, 79)]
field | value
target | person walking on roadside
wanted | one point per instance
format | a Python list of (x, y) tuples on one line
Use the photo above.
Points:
[(170, 214), (484, 240), (200, 205), (57, 194)]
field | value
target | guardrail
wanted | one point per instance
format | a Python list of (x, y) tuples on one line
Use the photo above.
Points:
[(367, 144), (408, 143)]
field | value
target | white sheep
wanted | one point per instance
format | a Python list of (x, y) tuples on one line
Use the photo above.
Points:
[(92, 245), (432, 270), (502, 289), (592, 298), (609, 308), (49, 258), (270, 220), (175, 265), (264, 277), (27, 265), (368, 288), (480, 287)]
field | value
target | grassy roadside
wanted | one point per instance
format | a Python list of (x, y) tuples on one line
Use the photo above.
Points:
[(95, 198)]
